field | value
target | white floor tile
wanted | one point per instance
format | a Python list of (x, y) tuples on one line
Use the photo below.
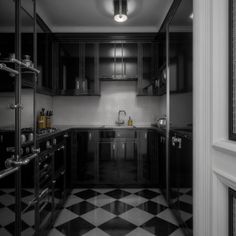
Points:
[(96, 232), (55, 232), (168, 216), (7, 199), (28, 218), (185, 216), (177, 232), (132, 190), (6, 216), (136, 216), (77, 190), (139, 232), (101, 200), (186, 198), (4, 232), (157, 190), (98, 216), (133, 200), (103, 190), (72, 199), (160, 200), (28, 232), (65, 216)]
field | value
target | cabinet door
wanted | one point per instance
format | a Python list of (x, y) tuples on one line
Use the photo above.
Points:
[(130, 60), (162, 163), (107, 61), (85, 157), (90, 69), (69, 69), (127, 163), (107, 163), (144, 165)]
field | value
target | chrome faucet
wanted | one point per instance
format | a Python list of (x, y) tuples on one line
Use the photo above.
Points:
[(120, 121)]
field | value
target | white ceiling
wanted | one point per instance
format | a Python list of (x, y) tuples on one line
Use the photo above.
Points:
[(97, 15)]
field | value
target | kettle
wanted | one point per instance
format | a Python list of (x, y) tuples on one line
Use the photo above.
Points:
[(161, 122)]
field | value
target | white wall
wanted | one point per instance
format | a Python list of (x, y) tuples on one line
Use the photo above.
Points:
[(103, 110), (7, 115), (214, 154)]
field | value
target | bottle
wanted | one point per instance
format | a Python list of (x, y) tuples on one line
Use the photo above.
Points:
[(130, 121)]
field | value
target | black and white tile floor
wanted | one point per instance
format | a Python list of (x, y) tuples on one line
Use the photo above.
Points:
[(102, 212), (118, 212)]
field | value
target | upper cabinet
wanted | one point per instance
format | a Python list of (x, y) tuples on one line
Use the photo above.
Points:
[(148, 69), (118, 61), (180, 62), (78, 69)]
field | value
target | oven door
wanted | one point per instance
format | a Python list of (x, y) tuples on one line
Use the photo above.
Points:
[(45, 194)]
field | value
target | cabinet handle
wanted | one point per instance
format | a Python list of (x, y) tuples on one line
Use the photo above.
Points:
[(90, 136), (114, 147), (123, 145), (66, 135), (145, 135)]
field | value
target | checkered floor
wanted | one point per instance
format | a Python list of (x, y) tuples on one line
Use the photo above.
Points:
[(102, 212), (7, 212), (118, 212)]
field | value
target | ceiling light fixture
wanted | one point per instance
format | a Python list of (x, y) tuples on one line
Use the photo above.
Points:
[(120, 10)]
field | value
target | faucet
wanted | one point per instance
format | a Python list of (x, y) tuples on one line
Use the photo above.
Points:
[(120, 121)]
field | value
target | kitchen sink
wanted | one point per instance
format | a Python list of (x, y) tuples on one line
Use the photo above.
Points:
[(118, 127)]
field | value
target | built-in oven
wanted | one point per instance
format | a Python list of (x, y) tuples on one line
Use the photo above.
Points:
[(45, 193)]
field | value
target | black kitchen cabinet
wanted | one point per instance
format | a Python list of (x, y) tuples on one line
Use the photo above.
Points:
[(118, 162), (84, 157), (153, 157), (148, 69), (180, 176), (45, 83), (78, 69), (181, 62), (144, 161), (118, 61), (162, 163)]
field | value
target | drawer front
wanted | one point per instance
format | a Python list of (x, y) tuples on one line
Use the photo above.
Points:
[(129, 134)]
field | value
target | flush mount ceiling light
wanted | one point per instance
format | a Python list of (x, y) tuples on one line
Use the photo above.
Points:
[(120, 10)]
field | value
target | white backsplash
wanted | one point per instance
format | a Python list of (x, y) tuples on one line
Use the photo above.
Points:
[(103, 110), (7, 116)]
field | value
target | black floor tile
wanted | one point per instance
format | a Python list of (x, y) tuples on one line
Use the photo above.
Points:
[(189, 223), (117, 227), (81, 208), (186, 207), (159, 227), (11, 227), (117, 207), (118, 194), (86, 194), (24, 193), (75, 227), (147, 194), (1, 205), (151, 207)]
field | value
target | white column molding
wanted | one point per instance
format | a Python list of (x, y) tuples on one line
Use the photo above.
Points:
[(202, 117)]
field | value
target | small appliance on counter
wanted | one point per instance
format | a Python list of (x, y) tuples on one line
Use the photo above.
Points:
[(161, 122)]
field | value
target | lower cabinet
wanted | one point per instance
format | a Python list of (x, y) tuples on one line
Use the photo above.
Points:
[(117, 162), (180, 178), (83, 163)]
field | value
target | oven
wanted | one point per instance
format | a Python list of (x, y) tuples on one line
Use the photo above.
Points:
[(45, 193)]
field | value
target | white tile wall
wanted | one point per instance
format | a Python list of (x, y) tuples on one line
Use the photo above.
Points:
[(115, 96), (7, 116)]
